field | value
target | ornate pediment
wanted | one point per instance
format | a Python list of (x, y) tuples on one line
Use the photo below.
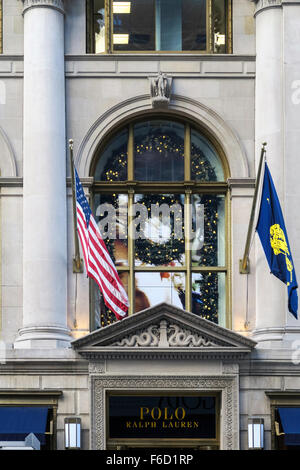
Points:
[(163, 331)]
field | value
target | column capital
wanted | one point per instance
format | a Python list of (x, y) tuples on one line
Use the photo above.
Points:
[(57, 4), (265, 4)]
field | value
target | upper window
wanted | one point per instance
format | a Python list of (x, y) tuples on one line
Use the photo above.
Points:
[(159, 25), (159, 198)]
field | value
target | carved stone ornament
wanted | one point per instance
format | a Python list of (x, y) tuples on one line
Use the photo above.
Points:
[(57, 4), (166, 335), (227, 386), (160, 90), (97, 367), (261, 4)]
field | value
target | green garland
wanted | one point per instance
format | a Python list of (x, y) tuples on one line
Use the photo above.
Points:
[(155, 253)]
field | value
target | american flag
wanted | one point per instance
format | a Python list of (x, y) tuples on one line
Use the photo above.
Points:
[(98, 263)]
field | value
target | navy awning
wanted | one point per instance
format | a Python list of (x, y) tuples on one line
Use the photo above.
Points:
[(16, 422), (290, 420)]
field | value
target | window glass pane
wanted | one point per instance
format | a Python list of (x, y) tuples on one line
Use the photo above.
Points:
[(168, 25), (208, 296), (163, 25), (112, 165), (99, 25), (208, 242), (219, 26), (159, 230), (134, 25), (111, 215), (194, 25), (205, 162), (159, 151), (156, 287)]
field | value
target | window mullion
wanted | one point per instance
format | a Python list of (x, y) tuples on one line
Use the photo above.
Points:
[(131, 247), (187, 153), (130, 154), (131, 253), (109, 26), (209, 28), (229, 27), (187, 234)]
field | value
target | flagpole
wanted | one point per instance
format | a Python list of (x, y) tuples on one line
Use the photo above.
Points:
[(244, 263), (77, 261)]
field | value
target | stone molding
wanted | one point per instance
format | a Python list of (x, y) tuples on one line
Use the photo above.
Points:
[(228, 386), (48, 336), (57, 4), (8, 158), (179, 105)]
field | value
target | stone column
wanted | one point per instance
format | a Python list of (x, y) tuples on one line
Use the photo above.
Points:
[(271, 119), (291, 112), (44, 169)]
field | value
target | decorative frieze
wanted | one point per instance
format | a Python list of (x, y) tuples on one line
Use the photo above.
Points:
[(57, 4), (166, 335)]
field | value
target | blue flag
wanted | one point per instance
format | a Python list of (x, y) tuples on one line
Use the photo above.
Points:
[(273, 236)]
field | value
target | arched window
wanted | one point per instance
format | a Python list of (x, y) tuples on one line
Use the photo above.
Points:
[(202, 26), (160, 200)]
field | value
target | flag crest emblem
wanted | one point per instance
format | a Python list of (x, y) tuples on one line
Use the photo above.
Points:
[(273, 236)]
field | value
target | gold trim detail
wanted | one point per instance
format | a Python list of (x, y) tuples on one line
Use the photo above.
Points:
[(187, 187)]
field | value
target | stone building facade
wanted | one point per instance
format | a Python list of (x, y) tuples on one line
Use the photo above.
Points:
[(68, 72)]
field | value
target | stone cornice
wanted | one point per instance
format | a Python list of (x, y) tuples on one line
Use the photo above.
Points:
[(57, 4)]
